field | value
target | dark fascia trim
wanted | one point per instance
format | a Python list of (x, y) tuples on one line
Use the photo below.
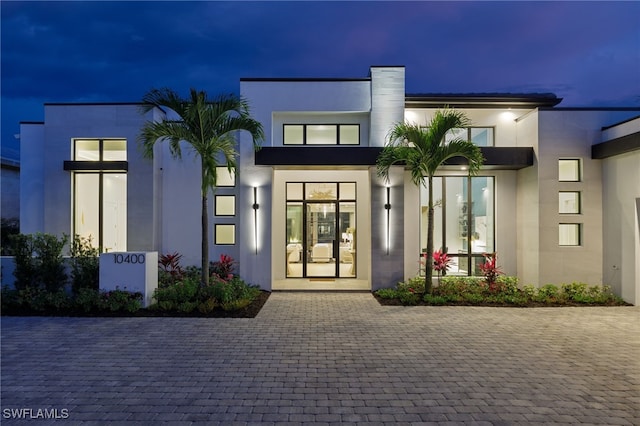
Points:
[(32, 122), (300, 79), (481, 100), (92, 103), (96, 166), (617, 146), (503, 158), (591, 109)]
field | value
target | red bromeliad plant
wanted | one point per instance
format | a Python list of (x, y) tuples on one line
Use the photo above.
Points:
[(170, 263), (224, 269), (441, 262), (490, 270)]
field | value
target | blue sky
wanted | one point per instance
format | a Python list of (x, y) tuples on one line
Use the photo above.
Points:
[(114, 51)]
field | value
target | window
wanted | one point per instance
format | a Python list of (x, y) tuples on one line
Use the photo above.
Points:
[(569, 234), (224, 177), (569, 170), (321, 230), (225, 234), (480, 136), (321, 134), (463, 220), (569, 202), (225, 205), (100, 192)]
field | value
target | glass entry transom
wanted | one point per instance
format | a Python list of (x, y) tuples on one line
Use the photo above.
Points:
[(321, 230)]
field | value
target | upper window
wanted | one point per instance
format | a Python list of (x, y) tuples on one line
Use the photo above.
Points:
[(100, 150), (569, 202), (321, 134), (569, 170), (480, 136)]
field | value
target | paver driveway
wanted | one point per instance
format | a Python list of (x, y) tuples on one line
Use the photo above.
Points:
[(329, 358)]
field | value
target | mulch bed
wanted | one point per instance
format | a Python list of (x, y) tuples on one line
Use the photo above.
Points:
[(248, 312)]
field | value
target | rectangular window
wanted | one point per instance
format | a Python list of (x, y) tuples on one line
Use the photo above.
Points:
[(480, 136), (224, 177), (569, 234), (293, 134), (463, 219), (321, 134), (100, 193), (569, 202), (225, 234), (349, 134), (225, 205), (569, 170)]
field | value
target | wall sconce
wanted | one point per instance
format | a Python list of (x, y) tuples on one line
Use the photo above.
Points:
[(387, 207), (255, 207)]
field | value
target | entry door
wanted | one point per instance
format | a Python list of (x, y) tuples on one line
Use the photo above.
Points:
[(321, 229)]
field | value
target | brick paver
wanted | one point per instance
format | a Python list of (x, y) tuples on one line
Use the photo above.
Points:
[(329, 358)]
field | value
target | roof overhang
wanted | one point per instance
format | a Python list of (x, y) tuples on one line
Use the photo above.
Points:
[(481, 100), (616, 146), (498, 158)]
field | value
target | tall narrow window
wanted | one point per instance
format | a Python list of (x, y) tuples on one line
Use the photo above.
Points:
[(100, 192), (463, 220)]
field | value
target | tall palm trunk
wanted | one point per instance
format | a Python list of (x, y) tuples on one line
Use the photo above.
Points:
[(204, 278), (429, 260)]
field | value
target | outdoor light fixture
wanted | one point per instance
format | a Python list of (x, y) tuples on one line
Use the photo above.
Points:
[(387, 207), (255, 207)]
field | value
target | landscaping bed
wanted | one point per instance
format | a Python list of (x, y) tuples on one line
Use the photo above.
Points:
[(249, 311), (503, 292)]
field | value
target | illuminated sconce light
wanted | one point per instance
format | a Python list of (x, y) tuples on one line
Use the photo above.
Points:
[(387, 207), (255, 207)]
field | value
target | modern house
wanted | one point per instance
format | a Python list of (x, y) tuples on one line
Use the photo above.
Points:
[(558, 198)]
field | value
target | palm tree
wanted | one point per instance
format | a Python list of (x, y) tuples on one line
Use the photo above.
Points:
[(422, 150), (208, 127)]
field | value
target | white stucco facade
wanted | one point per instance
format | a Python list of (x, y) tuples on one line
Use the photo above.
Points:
[(378, 226)]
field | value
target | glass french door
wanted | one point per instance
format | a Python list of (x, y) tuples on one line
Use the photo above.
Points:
[(321, 238)]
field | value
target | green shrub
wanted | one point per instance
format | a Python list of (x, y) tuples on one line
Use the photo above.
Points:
[(226, 292), (435, 300), (387, 293), (187, 307), (121, 301), (548, 293), (412, 285), (38, 261), (173, 295), (208, 306), (234, 305), (408, 298), (85, 264), (574, 290), (87, 300)]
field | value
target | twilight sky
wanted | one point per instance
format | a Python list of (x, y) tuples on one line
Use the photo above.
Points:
[(114, 51)]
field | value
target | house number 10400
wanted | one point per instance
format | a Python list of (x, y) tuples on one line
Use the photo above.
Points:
[(119, 258)]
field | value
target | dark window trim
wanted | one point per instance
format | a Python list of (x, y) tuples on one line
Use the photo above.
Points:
[(96, 166)]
